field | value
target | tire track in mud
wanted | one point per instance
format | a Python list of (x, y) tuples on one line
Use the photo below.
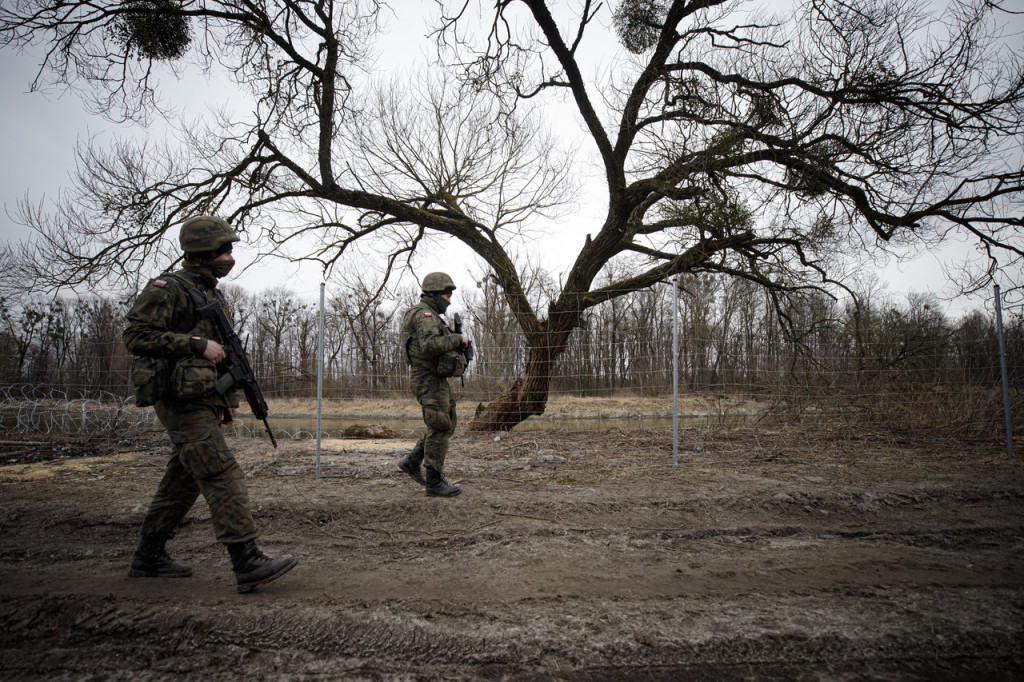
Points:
[(855, 630), (556, 570)]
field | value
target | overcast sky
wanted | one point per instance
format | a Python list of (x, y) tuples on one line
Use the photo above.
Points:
[(39, 131)]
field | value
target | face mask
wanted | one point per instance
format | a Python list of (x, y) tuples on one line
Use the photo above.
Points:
[(442, 304), (221, 268)]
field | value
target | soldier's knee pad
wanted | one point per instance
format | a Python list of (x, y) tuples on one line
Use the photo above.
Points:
[(436, 420)]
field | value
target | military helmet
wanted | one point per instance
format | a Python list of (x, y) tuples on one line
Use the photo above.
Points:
[(204, 233), (438, 283)]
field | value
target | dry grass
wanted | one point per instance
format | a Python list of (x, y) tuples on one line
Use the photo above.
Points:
[(359, 407), (558, 407)]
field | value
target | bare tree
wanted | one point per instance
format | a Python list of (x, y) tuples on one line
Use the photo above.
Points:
[(497, 337), (24, 327), (368, 322), (277, 316), (729, 143)]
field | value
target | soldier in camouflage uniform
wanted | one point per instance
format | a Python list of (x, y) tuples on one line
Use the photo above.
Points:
[(433, 352), (174, 369)]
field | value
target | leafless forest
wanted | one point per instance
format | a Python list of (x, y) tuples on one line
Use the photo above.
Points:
[(888, 360)]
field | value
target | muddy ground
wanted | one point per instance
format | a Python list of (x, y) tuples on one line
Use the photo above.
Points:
[(806, 555)]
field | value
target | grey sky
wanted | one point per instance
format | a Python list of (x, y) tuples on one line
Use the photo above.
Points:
[(38, 133)]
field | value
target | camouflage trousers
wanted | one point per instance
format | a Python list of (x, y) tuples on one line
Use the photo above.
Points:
[(438, 402), (200, 463)]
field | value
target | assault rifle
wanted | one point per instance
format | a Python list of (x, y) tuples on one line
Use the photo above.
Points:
[(239, 371), (467, 350)]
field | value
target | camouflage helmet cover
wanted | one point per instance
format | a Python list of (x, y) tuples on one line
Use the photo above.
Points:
[(437, 283), (205, 233)]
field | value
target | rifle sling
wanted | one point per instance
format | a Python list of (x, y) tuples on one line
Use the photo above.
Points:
[(227, 380)]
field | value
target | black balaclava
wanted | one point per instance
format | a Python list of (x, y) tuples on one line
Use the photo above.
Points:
[(203, 263), (439, 301)]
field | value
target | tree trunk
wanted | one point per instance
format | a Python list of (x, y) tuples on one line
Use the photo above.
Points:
[(528, 395)]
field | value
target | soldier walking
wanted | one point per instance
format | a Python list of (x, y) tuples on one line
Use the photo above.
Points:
[(435, 354), (175, 369)]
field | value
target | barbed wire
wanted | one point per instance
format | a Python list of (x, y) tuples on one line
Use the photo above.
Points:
[(50, 409)]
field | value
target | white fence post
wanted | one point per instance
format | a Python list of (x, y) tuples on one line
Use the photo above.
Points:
[(675, 371), (1006, 378), (319, 377)]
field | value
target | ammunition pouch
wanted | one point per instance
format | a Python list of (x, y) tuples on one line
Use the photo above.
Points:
[(193, 377), (451, 364), (149, 379)]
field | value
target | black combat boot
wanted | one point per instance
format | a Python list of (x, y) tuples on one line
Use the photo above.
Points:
[(437, 486), (151, 560), (410, 464), (253, 568)]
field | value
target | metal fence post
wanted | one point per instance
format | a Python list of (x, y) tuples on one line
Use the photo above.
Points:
[(675, 371), (319, 377), (1006, 378)]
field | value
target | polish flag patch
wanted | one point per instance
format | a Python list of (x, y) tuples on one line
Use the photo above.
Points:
[(159, 283), (427, 315)]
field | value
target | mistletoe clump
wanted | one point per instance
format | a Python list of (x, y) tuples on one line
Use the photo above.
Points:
[(153, 29)]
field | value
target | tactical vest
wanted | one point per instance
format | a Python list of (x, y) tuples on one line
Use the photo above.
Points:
[(187, 321), (450, 363), (189, 378)]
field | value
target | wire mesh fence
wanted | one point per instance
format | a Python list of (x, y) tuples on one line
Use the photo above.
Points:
[(928, 392), (905, 364)]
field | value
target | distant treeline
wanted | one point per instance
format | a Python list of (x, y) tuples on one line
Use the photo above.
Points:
[(872, 358)]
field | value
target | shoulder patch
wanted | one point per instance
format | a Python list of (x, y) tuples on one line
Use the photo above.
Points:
[(427, 315), (159, 283)]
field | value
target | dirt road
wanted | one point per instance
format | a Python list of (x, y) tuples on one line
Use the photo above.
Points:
[(582, 556)]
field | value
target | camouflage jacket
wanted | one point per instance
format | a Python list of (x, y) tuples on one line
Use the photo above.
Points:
[(426, 336), (162, 324)]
